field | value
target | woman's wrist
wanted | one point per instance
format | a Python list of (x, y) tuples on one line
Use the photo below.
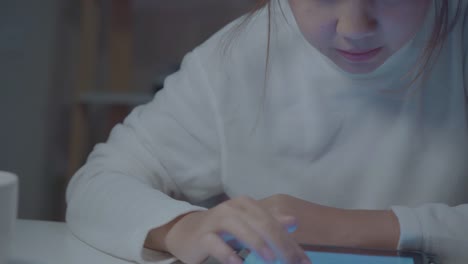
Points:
[(156, 238)]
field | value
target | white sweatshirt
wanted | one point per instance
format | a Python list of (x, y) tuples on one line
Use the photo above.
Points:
[(313, 131)]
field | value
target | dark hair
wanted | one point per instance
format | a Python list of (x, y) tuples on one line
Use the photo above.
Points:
[(443, 25)]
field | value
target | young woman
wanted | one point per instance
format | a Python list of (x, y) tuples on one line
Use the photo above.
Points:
[(345, 118)]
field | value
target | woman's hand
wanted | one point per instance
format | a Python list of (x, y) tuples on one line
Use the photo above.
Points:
[(283, 204), (196, 236)]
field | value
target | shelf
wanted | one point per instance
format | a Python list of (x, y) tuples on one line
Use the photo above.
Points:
[(112, 98)]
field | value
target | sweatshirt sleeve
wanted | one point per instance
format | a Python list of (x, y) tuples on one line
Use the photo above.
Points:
[(164, 152), (436, 229)]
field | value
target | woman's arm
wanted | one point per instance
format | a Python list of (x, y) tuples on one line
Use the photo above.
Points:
[(128, 184), (322, 225), (433, 228), (376, 229)]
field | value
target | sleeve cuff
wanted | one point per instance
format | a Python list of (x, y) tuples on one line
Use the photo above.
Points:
[(411, 235)]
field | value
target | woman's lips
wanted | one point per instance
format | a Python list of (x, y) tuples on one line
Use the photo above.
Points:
[(359, 56)]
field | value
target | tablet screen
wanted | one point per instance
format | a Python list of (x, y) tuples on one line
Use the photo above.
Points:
[(343, 258)]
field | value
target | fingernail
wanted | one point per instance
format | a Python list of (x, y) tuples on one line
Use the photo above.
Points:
[(268, 254), (227, 237), (292, 229), (234, 260)]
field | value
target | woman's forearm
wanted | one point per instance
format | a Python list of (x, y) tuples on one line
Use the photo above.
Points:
[(372, 229), (348, 228)]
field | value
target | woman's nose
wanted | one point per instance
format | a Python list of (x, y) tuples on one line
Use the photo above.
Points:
[(356, 23)]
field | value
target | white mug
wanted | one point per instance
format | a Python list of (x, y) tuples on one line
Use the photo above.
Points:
[(8, 212)]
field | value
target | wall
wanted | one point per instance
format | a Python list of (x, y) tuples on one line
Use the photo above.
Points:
[(166, 30), (28, 101)]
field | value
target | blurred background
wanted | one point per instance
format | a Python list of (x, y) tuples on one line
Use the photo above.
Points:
[(71, 69)]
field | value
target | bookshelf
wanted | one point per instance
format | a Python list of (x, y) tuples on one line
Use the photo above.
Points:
[(105, 25)]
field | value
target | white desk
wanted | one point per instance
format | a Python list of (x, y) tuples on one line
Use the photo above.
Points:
[(38, 242)]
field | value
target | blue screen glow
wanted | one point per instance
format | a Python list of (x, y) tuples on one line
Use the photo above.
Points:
[(342, 258)]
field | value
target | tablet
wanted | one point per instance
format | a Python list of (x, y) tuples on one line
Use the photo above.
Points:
[(336, 255)]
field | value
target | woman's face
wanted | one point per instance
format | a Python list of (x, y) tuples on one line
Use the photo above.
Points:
[(359, 35)]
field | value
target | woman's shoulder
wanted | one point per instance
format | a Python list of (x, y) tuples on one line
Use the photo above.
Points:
[(246, 34), (244, 44)]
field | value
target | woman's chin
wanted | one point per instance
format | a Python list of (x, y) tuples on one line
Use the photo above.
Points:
[(358, 67)]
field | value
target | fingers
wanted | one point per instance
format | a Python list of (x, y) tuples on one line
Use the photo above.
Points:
[(219, 250), (284, 247), (249, 237), (272, 229), (288, 222)]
